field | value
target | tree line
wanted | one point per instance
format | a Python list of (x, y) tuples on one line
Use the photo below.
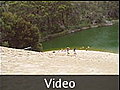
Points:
[(26, 23)]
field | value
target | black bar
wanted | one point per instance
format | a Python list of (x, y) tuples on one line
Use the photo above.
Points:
[(36, 82)]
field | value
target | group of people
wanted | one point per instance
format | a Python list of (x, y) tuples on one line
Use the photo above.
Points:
[(68, 50), (74, 50)]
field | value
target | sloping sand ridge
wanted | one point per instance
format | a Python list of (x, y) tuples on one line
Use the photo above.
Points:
[(19, 61)]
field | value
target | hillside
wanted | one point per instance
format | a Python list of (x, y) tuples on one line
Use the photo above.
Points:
[(18, 61)]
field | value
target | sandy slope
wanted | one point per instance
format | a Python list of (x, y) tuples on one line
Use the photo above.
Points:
[(18, 61)]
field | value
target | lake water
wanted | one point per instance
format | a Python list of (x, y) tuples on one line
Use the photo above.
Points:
[(100, 39)]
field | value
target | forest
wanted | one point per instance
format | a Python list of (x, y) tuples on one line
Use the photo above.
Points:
[(29, 23)]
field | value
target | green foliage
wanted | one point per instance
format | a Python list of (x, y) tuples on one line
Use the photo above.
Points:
[(5, 44), (37, 47), (49, 16), (18, 32)]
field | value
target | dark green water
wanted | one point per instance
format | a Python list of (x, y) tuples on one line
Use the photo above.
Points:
[(102, 39)]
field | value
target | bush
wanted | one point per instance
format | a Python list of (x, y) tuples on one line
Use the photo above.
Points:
[(5, 44), (37, 47)]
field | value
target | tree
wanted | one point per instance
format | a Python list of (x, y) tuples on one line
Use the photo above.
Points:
[(18, 32)]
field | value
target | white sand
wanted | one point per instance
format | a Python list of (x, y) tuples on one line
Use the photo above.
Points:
[(24, 62)]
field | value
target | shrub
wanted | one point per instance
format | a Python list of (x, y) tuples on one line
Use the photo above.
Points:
[(5, 44)]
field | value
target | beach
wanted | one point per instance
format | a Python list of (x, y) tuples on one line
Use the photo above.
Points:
[(25, 62)]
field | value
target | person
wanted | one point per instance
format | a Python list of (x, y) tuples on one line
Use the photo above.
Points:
[(62, 50), (68, 50), (74, 50), (87, 48)]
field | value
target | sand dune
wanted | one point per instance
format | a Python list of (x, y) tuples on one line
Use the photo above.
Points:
[(19, 61)]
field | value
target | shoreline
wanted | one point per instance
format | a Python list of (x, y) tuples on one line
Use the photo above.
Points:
[(77, 30), (91, 49)]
